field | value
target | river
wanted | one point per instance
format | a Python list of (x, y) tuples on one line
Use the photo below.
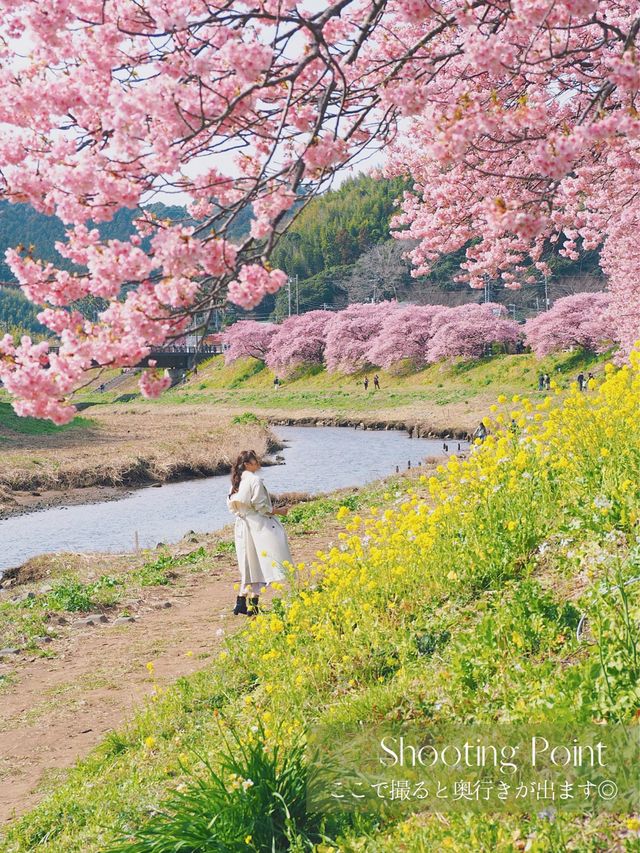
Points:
[(317, 459)]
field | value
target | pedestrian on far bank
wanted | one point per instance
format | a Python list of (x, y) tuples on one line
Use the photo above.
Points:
[(276, 383), (590, 378), (260, 539), (376, 382), (581, 383), (541, 382), (480, 432), (547, 382), (366, 383)]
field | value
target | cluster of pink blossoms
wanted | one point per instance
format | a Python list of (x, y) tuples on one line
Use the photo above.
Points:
[(365, 335), (253, 284), (582, 320), (517, 122)]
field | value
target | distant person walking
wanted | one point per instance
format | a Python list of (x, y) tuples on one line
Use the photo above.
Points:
[(260, 539), (581, 382), (547, 382), (366, 383), (276, 383), (480, 432), (541, 382), (590, 378), (376, 382)]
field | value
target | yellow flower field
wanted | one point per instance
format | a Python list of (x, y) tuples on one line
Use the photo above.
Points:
[(501, 589)]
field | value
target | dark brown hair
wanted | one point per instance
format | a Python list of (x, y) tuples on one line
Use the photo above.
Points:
[(239, 466)]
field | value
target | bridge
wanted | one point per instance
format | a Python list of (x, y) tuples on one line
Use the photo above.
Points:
[(174, 357), (180, 358)]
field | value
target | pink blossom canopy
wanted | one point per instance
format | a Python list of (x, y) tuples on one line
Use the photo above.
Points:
[(581, 320), (349, 335), (405, 334), (248, 339), (299, 340), (520, 130), (467, 330)]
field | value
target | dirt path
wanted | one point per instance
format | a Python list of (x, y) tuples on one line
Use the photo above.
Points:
[(56, 709)]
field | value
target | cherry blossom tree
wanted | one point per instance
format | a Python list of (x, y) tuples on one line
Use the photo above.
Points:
[(404, 334), (582, 320), (248, 339), (350, 333), (467, 330), (299, 340), (521, 134), (527, 141)]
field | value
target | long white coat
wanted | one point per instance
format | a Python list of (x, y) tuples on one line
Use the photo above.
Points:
[(261, 540)]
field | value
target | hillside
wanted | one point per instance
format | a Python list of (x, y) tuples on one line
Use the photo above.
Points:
[(340, 250), (17, 314), (337, 251)]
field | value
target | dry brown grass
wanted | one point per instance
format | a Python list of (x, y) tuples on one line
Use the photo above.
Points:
[(127, 447)]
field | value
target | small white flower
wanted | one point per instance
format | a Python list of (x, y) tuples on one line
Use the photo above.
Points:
[(602, 502), (247, 784), (220, 632)]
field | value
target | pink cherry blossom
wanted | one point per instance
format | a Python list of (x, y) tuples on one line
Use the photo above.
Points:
[(468, 330), (152, 382), (517, 123), (253, 283), (248, 339), (405, 334), (581, 320), (349, 335), (300, 339)]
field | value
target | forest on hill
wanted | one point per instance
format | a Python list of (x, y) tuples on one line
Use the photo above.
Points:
[(337, 251)]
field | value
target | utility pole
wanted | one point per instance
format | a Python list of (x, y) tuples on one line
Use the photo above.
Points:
[(297, 294), (289, 293), (546, 292)]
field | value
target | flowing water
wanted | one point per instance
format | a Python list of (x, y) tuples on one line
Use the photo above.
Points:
[(317, 459)]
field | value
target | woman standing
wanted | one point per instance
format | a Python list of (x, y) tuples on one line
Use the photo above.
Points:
[(261, 540)]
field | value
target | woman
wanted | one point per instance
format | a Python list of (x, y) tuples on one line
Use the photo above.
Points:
[(261, 540)]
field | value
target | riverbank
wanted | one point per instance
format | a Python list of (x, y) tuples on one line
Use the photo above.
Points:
[(66, 681), (197, 427), (120, 446), (496, 590)]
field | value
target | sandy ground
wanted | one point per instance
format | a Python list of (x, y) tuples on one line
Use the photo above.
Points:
[(55, 709)]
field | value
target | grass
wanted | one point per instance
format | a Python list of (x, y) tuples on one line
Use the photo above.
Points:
[(34, 426), (306, 517), (248, 384), (129, 445), (454, 599), (23, 621), (223, 409)]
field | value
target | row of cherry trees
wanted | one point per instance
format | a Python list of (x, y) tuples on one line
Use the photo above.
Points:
[(385, 334), (382, 334)]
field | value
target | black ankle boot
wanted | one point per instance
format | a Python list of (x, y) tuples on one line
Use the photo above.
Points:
[(253, 606), (241, 606)]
